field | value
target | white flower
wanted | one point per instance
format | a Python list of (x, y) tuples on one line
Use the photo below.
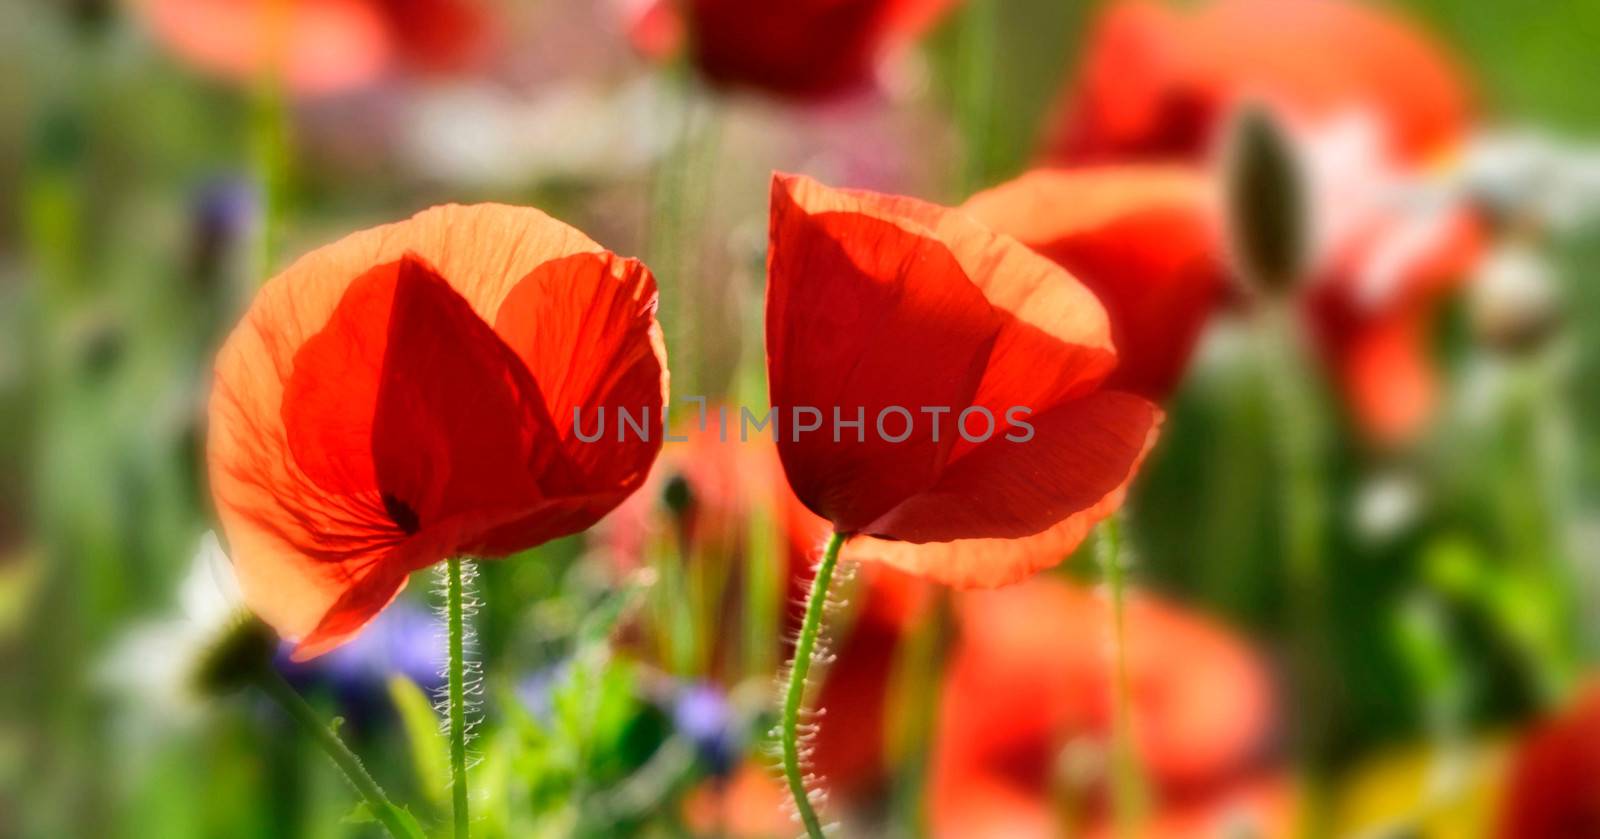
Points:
[(154, 663)]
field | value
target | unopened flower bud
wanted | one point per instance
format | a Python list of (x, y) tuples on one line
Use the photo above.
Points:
[(1265, 204)]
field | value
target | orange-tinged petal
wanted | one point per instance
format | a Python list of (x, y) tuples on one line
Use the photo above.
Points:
[(750, 805), (322, 46), (1082, 451), (585, 326), (1141, 238), (319, 47), (990, 562)]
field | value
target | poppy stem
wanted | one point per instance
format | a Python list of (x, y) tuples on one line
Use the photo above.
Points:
[(1298, 434), (269, 137), (457, 687), (393, 819), (1127, 780), (794, 695), (977, 50)]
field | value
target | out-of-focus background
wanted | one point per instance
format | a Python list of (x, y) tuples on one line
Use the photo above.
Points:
[(155, 174)]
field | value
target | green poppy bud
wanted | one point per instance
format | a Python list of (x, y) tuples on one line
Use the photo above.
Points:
[(1268, 224)]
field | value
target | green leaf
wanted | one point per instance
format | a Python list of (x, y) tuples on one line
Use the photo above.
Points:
[(362, 813), (430, 752), (604, 617)]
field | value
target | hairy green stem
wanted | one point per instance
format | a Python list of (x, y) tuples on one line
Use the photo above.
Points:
[(302, 713), (795, 694), (458, 719), (1127, 779)]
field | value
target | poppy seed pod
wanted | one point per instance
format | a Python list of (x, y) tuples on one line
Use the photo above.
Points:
[(1265, 198)]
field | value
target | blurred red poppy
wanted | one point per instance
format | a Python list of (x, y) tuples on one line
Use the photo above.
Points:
[(801, 49), (1158, 78), (918, 322), (407, 394), (1026, 714), (322, 46), (748, 805), (1378, 343), (1554, 785), (1142, 238), (1159, 81)]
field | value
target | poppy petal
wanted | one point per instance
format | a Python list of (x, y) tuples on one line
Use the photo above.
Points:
[(1141, 239), (406, 393), (851, 300), (996, 560), (396, 420), (585, 327), (1379, 349), (878, 303), (326, 46), (1080, 452), (1157, 80), (803, 49), (309, 523)]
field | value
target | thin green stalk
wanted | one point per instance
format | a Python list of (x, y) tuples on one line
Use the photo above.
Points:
[(458, 719), (795, 694), (920, 662), (269, 141), (759, 605), (302, 713), (1127, 777), (979, 39), (1296, 427)]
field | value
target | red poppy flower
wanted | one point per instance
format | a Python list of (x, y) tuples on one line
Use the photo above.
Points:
[(408, 394), (1377, 343), (890, 311), (803, 49), (1554, 786), (1158, 78), (324, 46), (1031, 681), (1142, 239)]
